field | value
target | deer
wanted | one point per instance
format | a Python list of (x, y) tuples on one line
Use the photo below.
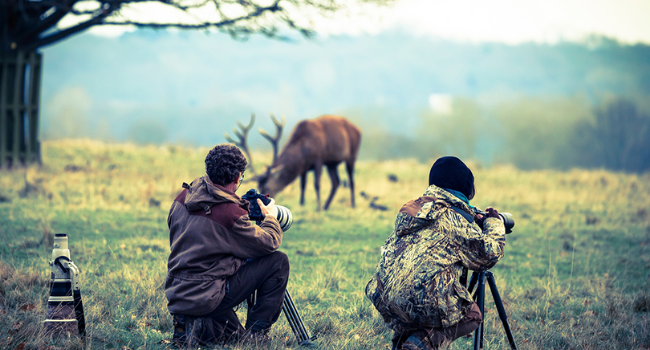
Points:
[(326, 140)]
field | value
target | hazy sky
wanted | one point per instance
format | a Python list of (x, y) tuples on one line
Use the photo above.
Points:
[(508, 21)]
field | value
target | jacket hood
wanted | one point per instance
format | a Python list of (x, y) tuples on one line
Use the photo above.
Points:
[(427, 210), (202, 194)]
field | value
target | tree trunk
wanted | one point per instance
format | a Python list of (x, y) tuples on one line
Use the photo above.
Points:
[(20, 83)]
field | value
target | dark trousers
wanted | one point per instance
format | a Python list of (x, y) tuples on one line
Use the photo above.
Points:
[(268, 276)]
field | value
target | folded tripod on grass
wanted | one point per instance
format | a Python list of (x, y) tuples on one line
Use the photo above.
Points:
[(293, 317)]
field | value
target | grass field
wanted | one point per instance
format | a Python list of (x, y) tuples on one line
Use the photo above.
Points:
[(575, 273)]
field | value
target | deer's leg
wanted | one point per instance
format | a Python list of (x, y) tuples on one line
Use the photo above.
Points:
[(303, 182), (318, 167), (349, 166), (332, 169)]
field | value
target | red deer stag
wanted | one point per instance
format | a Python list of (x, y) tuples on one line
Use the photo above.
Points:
[(327, 140)]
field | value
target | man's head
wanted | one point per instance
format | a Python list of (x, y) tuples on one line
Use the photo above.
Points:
[(223, 163), (452, 173)]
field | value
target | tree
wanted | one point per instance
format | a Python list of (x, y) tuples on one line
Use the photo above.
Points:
[(537, 132), (26, 25), (618, 138)]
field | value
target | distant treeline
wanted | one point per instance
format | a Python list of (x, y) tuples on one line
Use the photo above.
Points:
[(530, 133), (145, 86), (533, 105)]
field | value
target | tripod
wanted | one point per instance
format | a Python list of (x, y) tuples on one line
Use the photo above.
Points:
[(293, 317), (295, 321), (480, 277)]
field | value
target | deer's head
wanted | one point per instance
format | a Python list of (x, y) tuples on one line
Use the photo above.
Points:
[(266, 182)]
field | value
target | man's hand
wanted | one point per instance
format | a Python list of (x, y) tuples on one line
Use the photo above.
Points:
[(492, 213), (269, 209)]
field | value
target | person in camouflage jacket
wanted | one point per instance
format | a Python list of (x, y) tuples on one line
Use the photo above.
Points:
[(416, 287)]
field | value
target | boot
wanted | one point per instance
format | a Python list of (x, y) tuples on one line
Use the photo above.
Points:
[(257, 332), (187, 330), (418, 341)]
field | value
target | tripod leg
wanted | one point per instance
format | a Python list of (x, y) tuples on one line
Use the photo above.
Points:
[(482, 323), (480, 300), (500, 309), (295, 321)]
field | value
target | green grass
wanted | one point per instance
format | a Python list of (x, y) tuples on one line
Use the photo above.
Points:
[(575, 274)]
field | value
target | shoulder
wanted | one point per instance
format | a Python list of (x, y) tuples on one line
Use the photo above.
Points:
[(413, 206), (225, 214), (181, 196)]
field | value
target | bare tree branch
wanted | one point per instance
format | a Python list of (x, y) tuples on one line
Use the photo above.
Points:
[(223, 23), (31, 20), (43, 24), (69, 31)]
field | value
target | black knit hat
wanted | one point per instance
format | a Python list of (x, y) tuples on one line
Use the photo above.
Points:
[(452, 173)]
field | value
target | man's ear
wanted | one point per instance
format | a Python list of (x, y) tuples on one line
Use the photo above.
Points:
[(471, 195)]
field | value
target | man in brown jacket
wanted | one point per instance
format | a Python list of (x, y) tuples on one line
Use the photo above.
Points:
[(219, 257)]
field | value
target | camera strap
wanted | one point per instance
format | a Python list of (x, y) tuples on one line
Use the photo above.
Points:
[(464, 214), (78, 303), (63, 267)]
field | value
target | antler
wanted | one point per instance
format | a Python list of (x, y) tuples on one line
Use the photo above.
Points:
[(242, 135), (278, 134)]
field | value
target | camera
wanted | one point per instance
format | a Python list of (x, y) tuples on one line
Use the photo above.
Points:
[(284, 214), (507, 219)]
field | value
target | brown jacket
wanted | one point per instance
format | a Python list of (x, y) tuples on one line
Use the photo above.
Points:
[(211, 236)]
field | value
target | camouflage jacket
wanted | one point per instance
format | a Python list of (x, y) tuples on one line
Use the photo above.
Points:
[(416, 285)]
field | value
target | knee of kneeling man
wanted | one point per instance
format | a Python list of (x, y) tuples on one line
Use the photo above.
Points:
[(282, 258), (475, 313)]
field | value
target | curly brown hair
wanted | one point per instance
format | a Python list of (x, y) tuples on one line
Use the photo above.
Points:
[(224, 162)]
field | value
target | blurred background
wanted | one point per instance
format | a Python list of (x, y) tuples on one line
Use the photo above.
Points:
[(541, 84)]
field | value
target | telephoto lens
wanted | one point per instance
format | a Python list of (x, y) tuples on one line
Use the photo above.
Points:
[(284, 217), (508, 221), (64, 306)]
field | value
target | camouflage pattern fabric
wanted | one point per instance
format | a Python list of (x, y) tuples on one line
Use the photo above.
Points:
[(416, 285)]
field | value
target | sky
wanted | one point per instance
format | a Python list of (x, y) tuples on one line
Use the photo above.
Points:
[(506, 21)]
